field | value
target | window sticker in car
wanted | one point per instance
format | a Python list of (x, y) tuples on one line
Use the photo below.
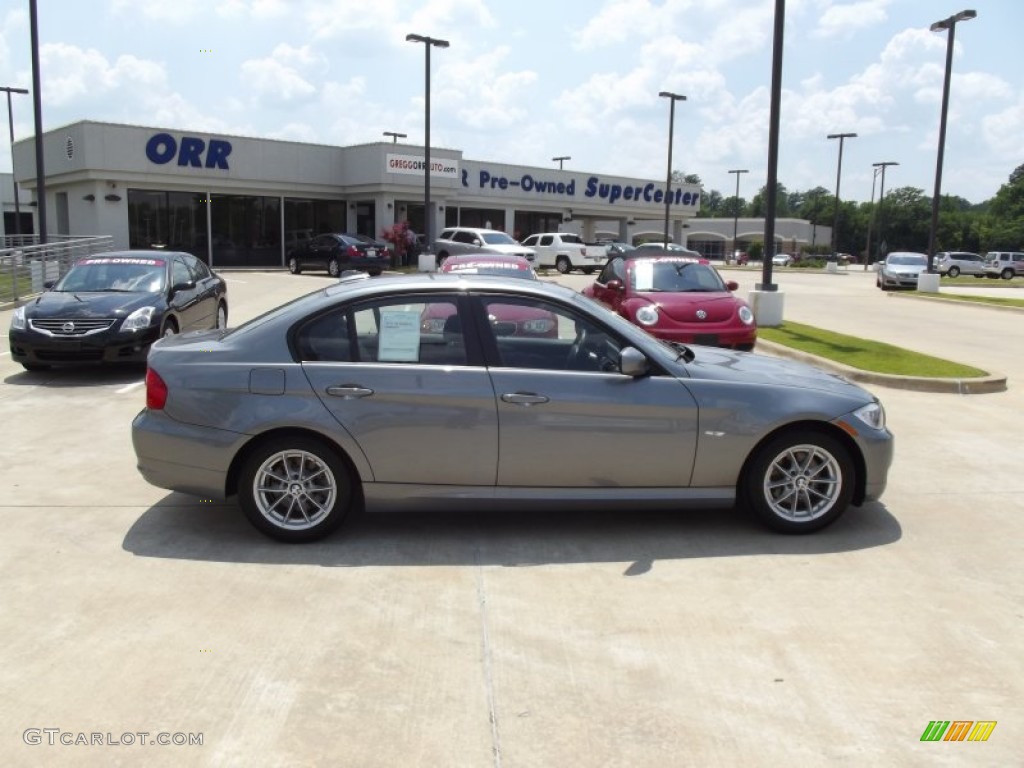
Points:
[(399, 336), (643, 275)]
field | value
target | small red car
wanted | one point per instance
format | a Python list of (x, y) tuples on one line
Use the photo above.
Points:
[(677, 299)]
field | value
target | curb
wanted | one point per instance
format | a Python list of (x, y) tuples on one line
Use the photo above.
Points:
[(981, 385), (954, 302)]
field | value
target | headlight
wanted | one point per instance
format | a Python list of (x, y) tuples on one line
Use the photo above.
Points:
[(872, 414), (746, 316), (647, 315), (139, 320), (18, 322)]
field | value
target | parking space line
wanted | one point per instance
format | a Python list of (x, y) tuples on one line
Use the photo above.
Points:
[(129, 387)]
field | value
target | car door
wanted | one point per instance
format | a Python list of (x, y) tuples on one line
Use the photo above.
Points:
[(398, 376), (206, 293), (184, 301), (611, 295), (568, 418)]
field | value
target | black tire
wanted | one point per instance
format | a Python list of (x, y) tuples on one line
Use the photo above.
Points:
[(799, 481), (334, 267), (588, 270), (441, 258), (293, 265), (222, 316), (272, 507), (1006, 274), (953, 272), (374, 272), (35, 367), (170, 328), (978, 276), (563, 265)]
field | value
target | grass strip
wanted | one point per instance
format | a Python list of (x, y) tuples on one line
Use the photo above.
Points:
[(865, 354)]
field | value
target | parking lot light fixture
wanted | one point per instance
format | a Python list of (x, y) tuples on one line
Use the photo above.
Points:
[(736, 211), (673, 98), (879, 167), (950, 26), (428, 43), (561, 159), (839, 172), (395, 136)]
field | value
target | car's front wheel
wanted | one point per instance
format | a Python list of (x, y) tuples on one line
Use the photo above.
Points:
[(953, 272), (222, 316), (293, 266), (799, 482), (1007, 274), (295, 489), (563, 265), (334, 267)]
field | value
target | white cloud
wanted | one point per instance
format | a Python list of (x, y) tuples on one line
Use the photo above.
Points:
[(276, 79), (1002, 132), (74, 74), (845, 20)]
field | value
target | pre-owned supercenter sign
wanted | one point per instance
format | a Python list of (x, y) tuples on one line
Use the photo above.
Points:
[(592, 189)]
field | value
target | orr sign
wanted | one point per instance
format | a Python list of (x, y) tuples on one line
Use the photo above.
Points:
[(162, 148)]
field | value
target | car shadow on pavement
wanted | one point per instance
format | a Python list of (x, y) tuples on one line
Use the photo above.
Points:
[(79, 376), (180, 527)]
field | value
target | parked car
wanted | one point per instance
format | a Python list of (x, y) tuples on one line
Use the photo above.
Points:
[(900, 269), (484, 264), (615, 248), (1004, 264), (364, 402), (782, 260), (339, 251), (565, 251), (454, 241), (111, 307), (667, 248), (677, 299), (955, 263)]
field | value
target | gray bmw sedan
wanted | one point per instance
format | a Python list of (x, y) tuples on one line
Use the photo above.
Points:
[(431, 391)]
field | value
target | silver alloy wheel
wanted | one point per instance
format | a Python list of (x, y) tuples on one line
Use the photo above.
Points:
[(802, 483), (222, 317), (169, 330), (294, 489)]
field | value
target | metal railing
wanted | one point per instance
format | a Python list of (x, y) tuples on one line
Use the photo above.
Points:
[(25, 264)]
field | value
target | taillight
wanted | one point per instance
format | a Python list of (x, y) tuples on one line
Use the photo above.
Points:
[(352, 251), (156, 391)]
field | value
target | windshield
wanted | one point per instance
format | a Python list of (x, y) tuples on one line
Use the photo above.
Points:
[(909, 260), (497, 238), (143, 275), (674, 276)]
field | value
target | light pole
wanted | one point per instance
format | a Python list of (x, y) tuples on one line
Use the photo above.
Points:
[(839, 172), (736, 210), (560, 159), (10, 120), (881, 201), (879, 168), (673, 98), (948, 24), (428, 43), (395, 136)]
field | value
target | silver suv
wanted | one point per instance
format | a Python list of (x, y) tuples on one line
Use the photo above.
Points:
[(454, 241), (956, 263), (1004, 264)]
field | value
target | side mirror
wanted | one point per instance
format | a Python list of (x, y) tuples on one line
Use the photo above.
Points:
[(48, 284), (632, 362), (477, 242), (178, 287), (732, 285), (616, 285)]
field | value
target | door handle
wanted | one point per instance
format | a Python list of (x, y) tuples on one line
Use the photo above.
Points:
[(524, 398), (349, 391)]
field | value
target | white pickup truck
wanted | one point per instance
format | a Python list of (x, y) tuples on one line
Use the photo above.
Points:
[(565, 252)]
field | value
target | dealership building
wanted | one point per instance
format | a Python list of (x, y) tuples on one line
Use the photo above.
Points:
[(243, 202)]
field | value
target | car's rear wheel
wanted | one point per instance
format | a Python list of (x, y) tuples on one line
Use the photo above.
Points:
[(1006, 274), (441, 258), (563, 265), (334, 267), (953, 272), (222, 316), (293, 266), (295, 489), (170, 328), (799, 482), (588, 270)]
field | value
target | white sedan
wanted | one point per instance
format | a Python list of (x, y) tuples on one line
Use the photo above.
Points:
[(782, 260)]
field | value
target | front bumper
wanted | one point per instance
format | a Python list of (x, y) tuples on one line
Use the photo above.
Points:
[(32, 347), (890, 280), (711, 336)]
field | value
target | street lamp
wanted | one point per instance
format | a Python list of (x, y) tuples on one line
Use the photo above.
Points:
[(561, 159), (10, 120), (948, 24), (673, 98), (736, 210), (395, 136), (879, 168), (428, 43), (839, 171)]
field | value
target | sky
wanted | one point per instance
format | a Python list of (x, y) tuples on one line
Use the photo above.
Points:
[(524, 81)]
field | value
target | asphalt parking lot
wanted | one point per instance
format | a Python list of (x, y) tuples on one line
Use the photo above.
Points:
[(530, 639)]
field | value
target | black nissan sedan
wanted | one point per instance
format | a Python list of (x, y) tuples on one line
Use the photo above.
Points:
[(339, 251), (109, 308)]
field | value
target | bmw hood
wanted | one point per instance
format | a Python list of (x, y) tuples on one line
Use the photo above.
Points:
[(717, 364), (69, 304)]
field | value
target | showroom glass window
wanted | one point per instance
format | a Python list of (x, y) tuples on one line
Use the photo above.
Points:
[(172, 220)]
